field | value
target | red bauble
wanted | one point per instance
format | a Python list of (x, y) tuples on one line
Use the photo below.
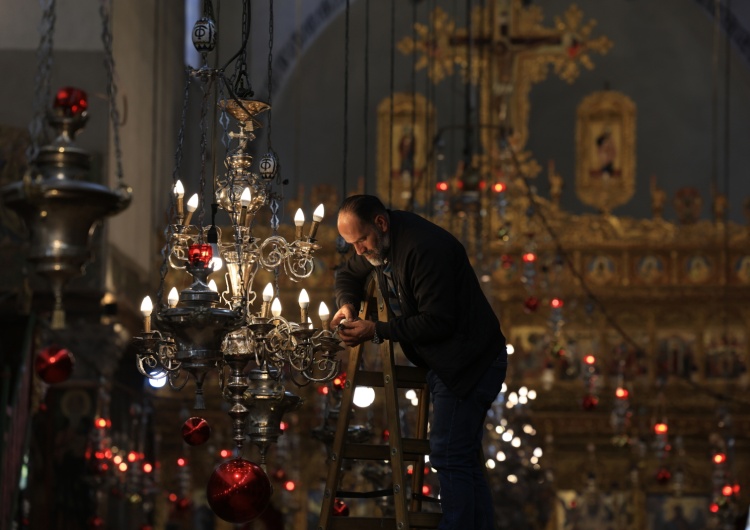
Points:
[(590, 402), (531, 304), (71, 101), (340, 509), (200, 255), (195, 431), (238, 491), (663, 476), (54, 364)]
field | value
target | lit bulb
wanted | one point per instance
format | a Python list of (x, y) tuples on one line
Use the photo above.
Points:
[(246, 197), (299, 221), (324, 314), (276, 308), (318, 213), (158, 382), (363, 396), (179, 190), (216, 263), (304, 299), (173, 297), (192, 205), (268, 292), (212, 285), (147, 307)]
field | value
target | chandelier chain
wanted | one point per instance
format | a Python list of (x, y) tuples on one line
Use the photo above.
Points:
[(42, 91), (204, 150), (109, 63), (270, 73)]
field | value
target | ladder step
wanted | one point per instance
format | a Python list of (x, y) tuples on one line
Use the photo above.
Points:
[(416, 520), (412, 448), (406, 377)]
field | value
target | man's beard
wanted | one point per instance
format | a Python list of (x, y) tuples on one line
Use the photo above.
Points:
[(376, 256)]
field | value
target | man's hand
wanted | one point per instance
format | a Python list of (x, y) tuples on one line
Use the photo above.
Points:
[(354, 332), (347, 312)]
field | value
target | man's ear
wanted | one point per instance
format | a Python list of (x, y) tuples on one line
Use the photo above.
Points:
[(381, 221)]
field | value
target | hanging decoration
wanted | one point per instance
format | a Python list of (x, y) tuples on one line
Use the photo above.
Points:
[(54, 364), (238, 491)]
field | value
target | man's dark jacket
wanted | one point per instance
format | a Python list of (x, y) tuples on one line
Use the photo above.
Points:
[(447, 324)]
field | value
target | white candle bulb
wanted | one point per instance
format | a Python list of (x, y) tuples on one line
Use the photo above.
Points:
[(268, 292), (299, 221), (212, 285), (323, 312), (304, 299), (318, 213), (216, 263), (147, 307), (276, 308), (179, 190), (173, 297), (192, 205), (246, 197)]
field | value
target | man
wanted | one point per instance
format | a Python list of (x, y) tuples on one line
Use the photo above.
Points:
[(443, 321)]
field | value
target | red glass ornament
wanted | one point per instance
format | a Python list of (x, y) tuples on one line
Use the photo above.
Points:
[(339, 381), (72, 101), (340, 509), (195, 431), (200, 255), (531, 304), (183, 504), (556, 303), (442, 186), (590, 402), (498, 187), (54, 364), (238, 491), (663, 475)]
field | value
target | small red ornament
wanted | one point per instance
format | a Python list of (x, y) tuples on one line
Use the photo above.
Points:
[(183, 504), (54, 364), (663, 476), (590, 402), (200, 255), (339, 381), (238, 491), (95, 522), (195, 431), (72, 101), (340, 509), (531, 304)]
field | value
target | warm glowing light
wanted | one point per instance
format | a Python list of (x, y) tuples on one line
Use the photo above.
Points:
[(268, 292), (364, 396), (212, 285), (529, 257), (147, 468), (224, 453), (158, 382), (426, 490), (442, 186), (132, 456), (720, 458), (276, 308), (339, 380), (147, 307), (621, 393), (510, 349), (102, 423), (173, 297), (192, 203), (714, 508), (662, 428), (117, 460), (181, 462), (318, 213), (589, 359), (179, 190), (727, 491), (556, 303), (173, 497), (299, 217), (123, 467), (283, 425), (245, 198), (323, 312), (304, 299), (498, 187), (289, 485)]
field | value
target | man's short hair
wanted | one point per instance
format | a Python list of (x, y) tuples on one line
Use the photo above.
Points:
[(365, 207)]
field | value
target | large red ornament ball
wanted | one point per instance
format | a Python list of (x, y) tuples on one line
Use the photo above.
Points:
[(54, 364), (531, 304), (238, 491), (195, 431)]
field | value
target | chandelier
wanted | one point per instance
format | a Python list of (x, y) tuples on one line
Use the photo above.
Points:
[(237, 332), (56, 199)]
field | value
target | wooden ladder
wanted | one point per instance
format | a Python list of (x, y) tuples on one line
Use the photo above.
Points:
[(398, 451)]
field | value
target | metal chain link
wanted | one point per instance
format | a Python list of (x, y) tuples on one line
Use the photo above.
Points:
[(109, 63), (204, 151), (270, 73), (42, 91)]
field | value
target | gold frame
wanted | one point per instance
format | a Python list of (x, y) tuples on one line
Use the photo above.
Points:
[(605, 150)]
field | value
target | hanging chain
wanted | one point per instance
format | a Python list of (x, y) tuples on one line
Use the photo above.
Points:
[(42, 92), (204, 152), (366, 106), (270, 72), (346, 100), (391, 109), (109, 63)]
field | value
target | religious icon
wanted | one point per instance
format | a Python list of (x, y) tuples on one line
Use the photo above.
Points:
[(605, 150), (600, 270), (650, 268), (698, 269)]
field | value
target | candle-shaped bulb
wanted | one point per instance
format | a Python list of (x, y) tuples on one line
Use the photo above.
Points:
[(173, 297), (324, 314), (146, 308), (299, 221), (212, 285), (267, 297), (318, 213), (192, 205), (317, 218), (304, 303), (244, 202), (179, 192), (276, 308), (216, 263)]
